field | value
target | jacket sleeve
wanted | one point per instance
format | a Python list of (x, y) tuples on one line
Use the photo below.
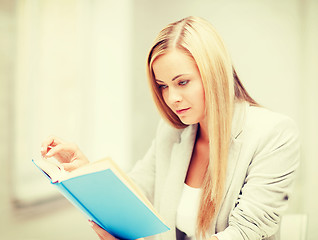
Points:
[(267, 186), (144, 171)]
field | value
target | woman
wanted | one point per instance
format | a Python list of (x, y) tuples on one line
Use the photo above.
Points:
[(223, 166)]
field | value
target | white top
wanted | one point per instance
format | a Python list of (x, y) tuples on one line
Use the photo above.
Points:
[(187, 211)]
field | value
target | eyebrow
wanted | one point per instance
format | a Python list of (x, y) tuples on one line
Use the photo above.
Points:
[(176, 77)]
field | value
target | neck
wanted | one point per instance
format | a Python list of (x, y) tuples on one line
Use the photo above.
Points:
[(203, 132)]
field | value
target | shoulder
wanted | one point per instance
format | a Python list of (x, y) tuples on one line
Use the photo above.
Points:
[(267, 130), (263, 120)]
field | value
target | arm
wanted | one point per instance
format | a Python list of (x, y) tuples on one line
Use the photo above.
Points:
[(267, 186), (143, 173)]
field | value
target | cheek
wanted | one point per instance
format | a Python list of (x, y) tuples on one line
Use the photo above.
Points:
[(203, 102), (199, 96), (202, 94), (200, 102)]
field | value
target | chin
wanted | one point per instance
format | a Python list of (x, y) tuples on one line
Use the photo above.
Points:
[(188, 121)]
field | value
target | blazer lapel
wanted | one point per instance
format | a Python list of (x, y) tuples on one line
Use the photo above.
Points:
[(180, 159), (235, 147)]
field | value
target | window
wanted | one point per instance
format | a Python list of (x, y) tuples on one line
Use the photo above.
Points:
[(73, 81)]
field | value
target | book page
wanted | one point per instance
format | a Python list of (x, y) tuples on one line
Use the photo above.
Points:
[(87, 169), (108, 163), (51, 167)]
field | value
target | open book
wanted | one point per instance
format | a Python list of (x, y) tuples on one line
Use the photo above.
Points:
[(107, 196)]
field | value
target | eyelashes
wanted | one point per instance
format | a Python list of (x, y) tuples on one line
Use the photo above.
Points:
[(184, 82), (180, 83), (162, 86)]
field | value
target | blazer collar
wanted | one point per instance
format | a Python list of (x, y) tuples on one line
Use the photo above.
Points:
[(234, 150), (235, 144), (238, 118)]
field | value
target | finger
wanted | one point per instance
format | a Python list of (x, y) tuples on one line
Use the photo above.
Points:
[(54, 150), (50, 141), (91, 223), (100, 236), (68, 149), (103, 234)]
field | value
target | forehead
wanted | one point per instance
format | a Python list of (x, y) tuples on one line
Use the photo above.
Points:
[(173, 63)]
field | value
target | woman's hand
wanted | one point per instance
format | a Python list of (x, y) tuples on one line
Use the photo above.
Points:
[(102, 234), (68, 154)]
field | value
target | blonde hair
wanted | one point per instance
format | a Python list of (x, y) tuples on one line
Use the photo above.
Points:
[(197, 38)]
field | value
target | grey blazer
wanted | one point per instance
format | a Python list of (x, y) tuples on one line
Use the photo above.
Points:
[(263, 157)]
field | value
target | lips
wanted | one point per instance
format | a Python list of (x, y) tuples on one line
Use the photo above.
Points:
[(181, 111)]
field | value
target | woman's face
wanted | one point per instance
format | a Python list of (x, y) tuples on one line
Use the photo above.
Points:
[(181, 86)]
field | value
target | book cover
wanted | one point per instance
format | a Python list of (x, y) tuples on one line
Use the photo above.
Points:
[(110, 200)]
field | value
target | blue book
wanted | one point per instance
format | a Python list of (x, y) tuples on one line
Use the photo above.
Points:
[(108, 197)]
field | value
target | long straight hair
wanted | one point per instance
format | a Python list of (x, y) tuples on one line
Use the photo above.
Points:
[(197, 38)]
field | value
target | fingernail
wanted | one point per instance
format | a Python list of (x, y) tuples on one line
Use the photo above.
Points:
[(90, 223)]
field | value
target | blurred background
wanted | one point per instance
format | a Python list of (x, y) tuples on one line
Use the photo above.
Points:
[(76, 69)]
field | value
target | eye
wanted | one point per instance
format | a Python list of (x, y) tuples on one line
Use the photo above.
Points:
[(182, 83), (162, 86)]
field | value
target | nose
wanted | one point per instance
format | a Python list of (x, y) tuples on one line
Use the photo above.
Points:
[(174, 96)]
